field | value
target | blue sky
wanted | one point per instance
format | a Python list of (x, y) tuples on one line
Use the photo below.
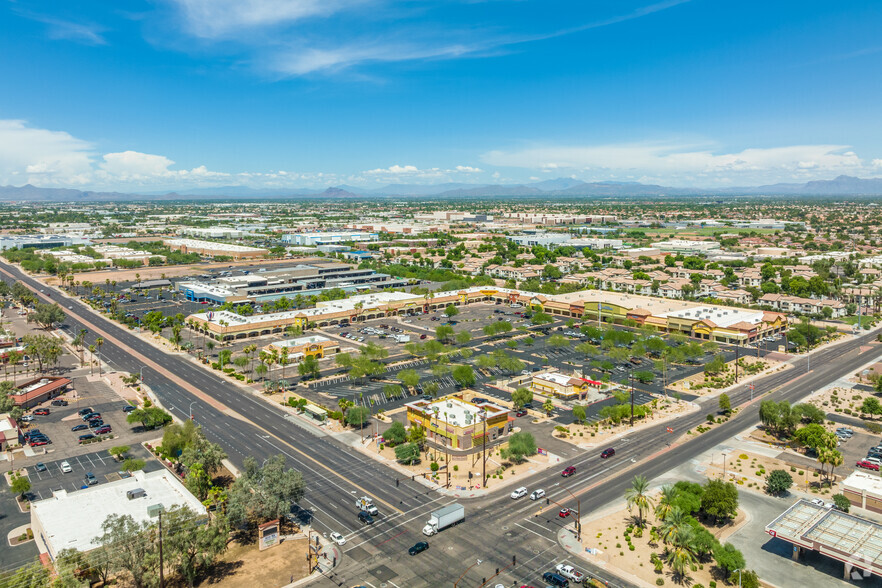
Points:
[(176, 94)]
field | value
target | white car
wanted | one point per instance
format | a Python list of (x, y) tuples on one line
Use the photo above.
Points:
[(537, 494), (27, 418), (821, 503), (519, 493), (338, 538), (65, 468)]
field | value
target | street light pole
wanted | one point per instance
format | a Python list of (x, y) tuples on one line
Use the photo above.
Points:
[(191, 411), (456, 584), (739, 577), (578, 515), (631, 383)]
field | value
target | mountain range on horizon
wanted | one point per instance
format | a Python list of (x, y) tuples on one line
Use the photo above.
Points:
[(560, 187)]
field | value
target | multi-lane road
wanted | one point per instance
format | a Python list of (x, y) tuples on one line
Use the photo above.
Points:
[(496, 528)]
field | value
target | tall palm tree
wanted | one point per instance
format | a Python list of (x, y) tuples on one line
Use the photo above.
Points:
[(638, 495), (681, 555), (98, 343), (665, 502), (673, 525)]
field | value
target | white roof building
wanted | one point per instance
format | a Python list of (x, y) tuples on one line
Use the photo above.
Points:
[(74, 519)]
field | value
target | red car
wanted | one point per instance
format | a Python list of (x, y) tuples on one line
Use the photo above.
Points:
[(568, 471), (41, 411), (608, 452), (564, 513), (37, 442), (867, 465)]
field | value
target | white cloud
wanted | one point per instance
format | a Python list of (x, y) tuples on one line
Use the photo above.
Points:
[(695, 164), (468, 169), (29, 155), (221, 18)]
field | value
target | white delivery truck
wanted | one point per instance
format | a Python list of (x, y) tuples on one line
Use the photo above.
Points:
[(443, 518)]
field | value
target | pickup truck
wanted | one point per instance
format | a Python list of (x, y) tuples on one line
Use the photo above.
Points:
[(366, 504), (570, 573)]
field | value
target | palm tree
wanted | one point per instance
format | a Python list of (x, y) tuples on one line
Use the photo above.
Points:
[(673, 525), (91, 359), (682, 554), (638, 495), (665, 502), (99, 342), (249, 350)]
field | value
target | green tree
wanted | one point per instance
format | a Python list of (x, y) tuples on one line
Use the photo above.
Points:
[(521, 397), (579, 413), (128, 549), (150, 417), (264, 493), (202, 451), (35, 575), (197, 481), (725, 404), (408, 454), (809, 413), (463, 337), (681, 554), (871, 405), (778, 481), (451, 311), (520, 445), (638, 496), (308, 367), (443, 333), (831, 457), (728, 558), (357, 416), (644, 376), (133, 464), (410, 378), (395, 434), (20, 485), (665, 502), (192, 545), (815, 436), (548, 406), (841, 502), (463, 375), (557, 341), (719, 499), (541, 318)]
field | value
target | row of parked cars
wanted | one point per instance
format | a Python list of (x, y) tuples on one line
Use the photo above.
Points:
[(91, 420)]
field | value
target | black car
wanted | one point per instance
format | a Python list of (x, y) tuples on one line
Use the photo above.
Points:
[(91, 416), (128, 408), (418, 548), (365, 518), (84, 411), (59, 402), (82, 427), (86, 437), (95, 424)]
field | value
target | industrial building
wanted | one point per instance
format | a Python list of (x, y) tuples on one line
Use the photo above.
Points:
[(686, 247), (329, 238), (40, 241), (74, 519), (212, 249), (304, 279)]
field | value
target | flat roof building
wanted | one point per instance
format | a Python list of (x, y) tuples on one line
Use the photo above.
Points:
[(74, 519), (329, 238), (300, 347), (686, 246), (456, 423), (213, 249)]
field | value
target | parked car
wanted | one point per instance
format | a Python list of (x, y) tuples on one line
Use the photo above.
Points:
[(86, 437), (90, 415), (41, 411), (569, 471), (103, 430), (518, 493), (27, 418), (555, 580), (65, 468), (338, 538), (873, 460), (38, 442), (821, 503), (40, 467), (59, 402), (90, 479), (84, 411), (418, 547), (82, 427), (608, 452), (867, 465), (95, 424), (128, 408), (521, 413)]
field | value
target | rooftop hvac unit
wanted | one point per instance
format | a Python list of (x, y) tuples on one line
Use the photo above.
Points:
[(154, 509)]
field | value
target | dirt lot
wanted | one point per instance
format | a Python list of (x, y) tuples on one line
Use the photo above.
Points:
[(244, 566), (749, 470)]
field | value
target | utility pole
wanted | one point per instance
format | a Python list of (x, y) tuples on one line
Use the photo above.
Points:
[(484, 449), (161, 577), (631, 382), (737, 353)]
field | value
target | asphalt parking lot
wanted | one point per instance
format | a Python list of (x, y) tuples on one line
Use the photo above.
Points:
[(98, 462), (58, 423)]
